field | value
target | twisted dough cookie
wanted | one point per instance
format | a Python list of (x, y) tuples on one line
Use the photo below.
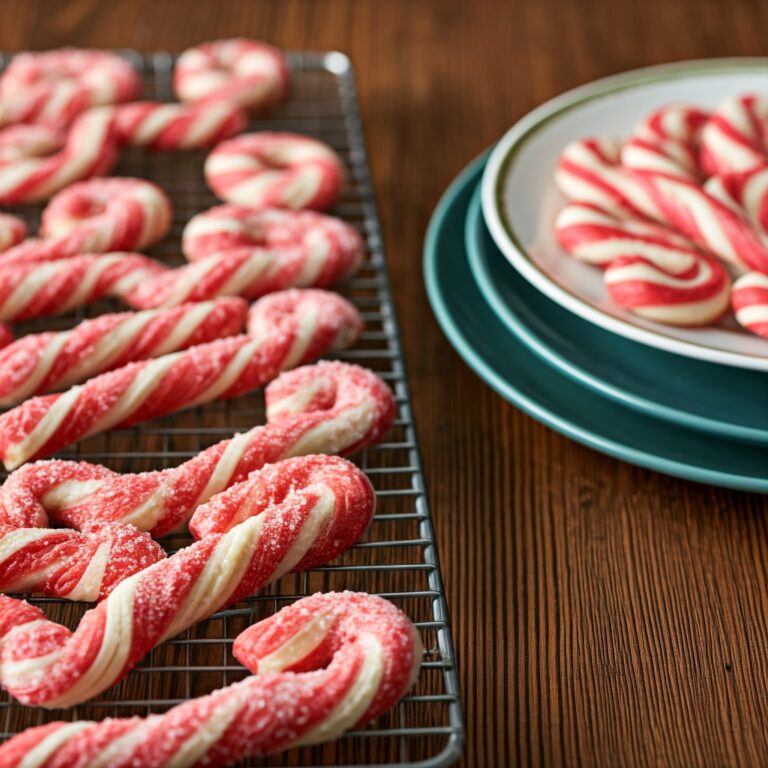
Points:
[(228, 227), (12, 231), (595, 236), (29, 174), (329, 407), (648, 269), (32, 289), (275, 170), (716, 227), (735, 138), (303, 328), (655, 176), (246, 72), (307, 513), (750, 302), (590, 171), (76, 565), (746, 192), (253, 272), (161, 126), (43, 362), (96, 216), (37, 289), (668, 142), (695, 296), (322, 665), (54, 87)]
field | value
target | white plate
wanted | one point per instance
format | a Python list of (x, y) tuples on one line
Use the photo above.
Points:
[(520, 200)]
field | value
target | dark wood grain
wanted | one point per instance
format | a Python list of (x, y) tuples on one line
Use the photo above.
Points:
[(603, 614)]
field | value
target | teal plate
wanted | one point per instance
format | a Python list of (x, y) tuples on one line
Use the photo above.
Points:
[(721, 400), (523, 378)]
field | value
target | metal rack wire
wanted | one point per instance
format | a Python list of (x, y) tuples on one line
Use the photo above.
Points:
[(398, 557)]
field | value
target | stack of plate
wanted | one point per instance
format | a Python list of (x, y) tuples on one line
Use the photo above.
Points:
[(537, 326)]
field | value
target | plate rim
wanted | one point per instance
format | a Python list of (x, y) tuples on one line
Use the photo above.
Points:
[(578, 373), (537, 411), (515, 137)]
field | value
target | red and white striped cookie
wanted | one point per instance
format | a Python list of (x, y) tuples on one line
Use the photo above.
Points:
[(96, 216), (328, 407), (698, 295), (745, 191), (296, 331), (75, 565), (54, 87), (300, 516), (716, 227), (247, 272), (12, 231), (735, 138), (595, 237), (247, 72), (667, 142), (35, 165), (109, 214), (42, 362), (226, 227), (280, 170), (162, 126), (324, 664), (39, 289), (589, 171), (749, 298)]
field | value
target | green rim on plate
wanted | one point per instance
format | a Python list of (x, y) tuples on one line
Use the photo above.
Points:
[(520, 376), (733, 404)]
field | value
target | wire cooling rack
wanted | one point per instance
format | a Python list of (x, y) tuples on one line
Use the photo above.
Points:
[(397, 559)]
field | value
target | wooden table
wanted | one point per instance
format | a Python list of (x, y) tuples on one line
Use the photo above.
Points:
[(603, 614)]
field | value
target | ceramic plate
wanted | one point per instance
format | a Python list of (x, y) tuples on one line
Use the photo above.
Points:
[(732, 403), (522, 377), (520, 201)]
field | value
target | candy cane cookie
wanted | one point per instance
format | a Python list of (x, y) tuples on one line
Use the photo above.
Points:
[(252, 272), (54, 87), (329, 407), (695, 296), (303, 515), (119, 214), (713, 225), (37, 289), (34, 289), (324, 664), (42, 362), (275, 170), (161, 126), (589, 171), (246, 72), (305, 328), (226, 227), (75, 565), (746, 192), (34, 165), (735, 138), (12, 231), (596, 237), (668, 141), (749, 299), (97, 216), (648, 269)]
